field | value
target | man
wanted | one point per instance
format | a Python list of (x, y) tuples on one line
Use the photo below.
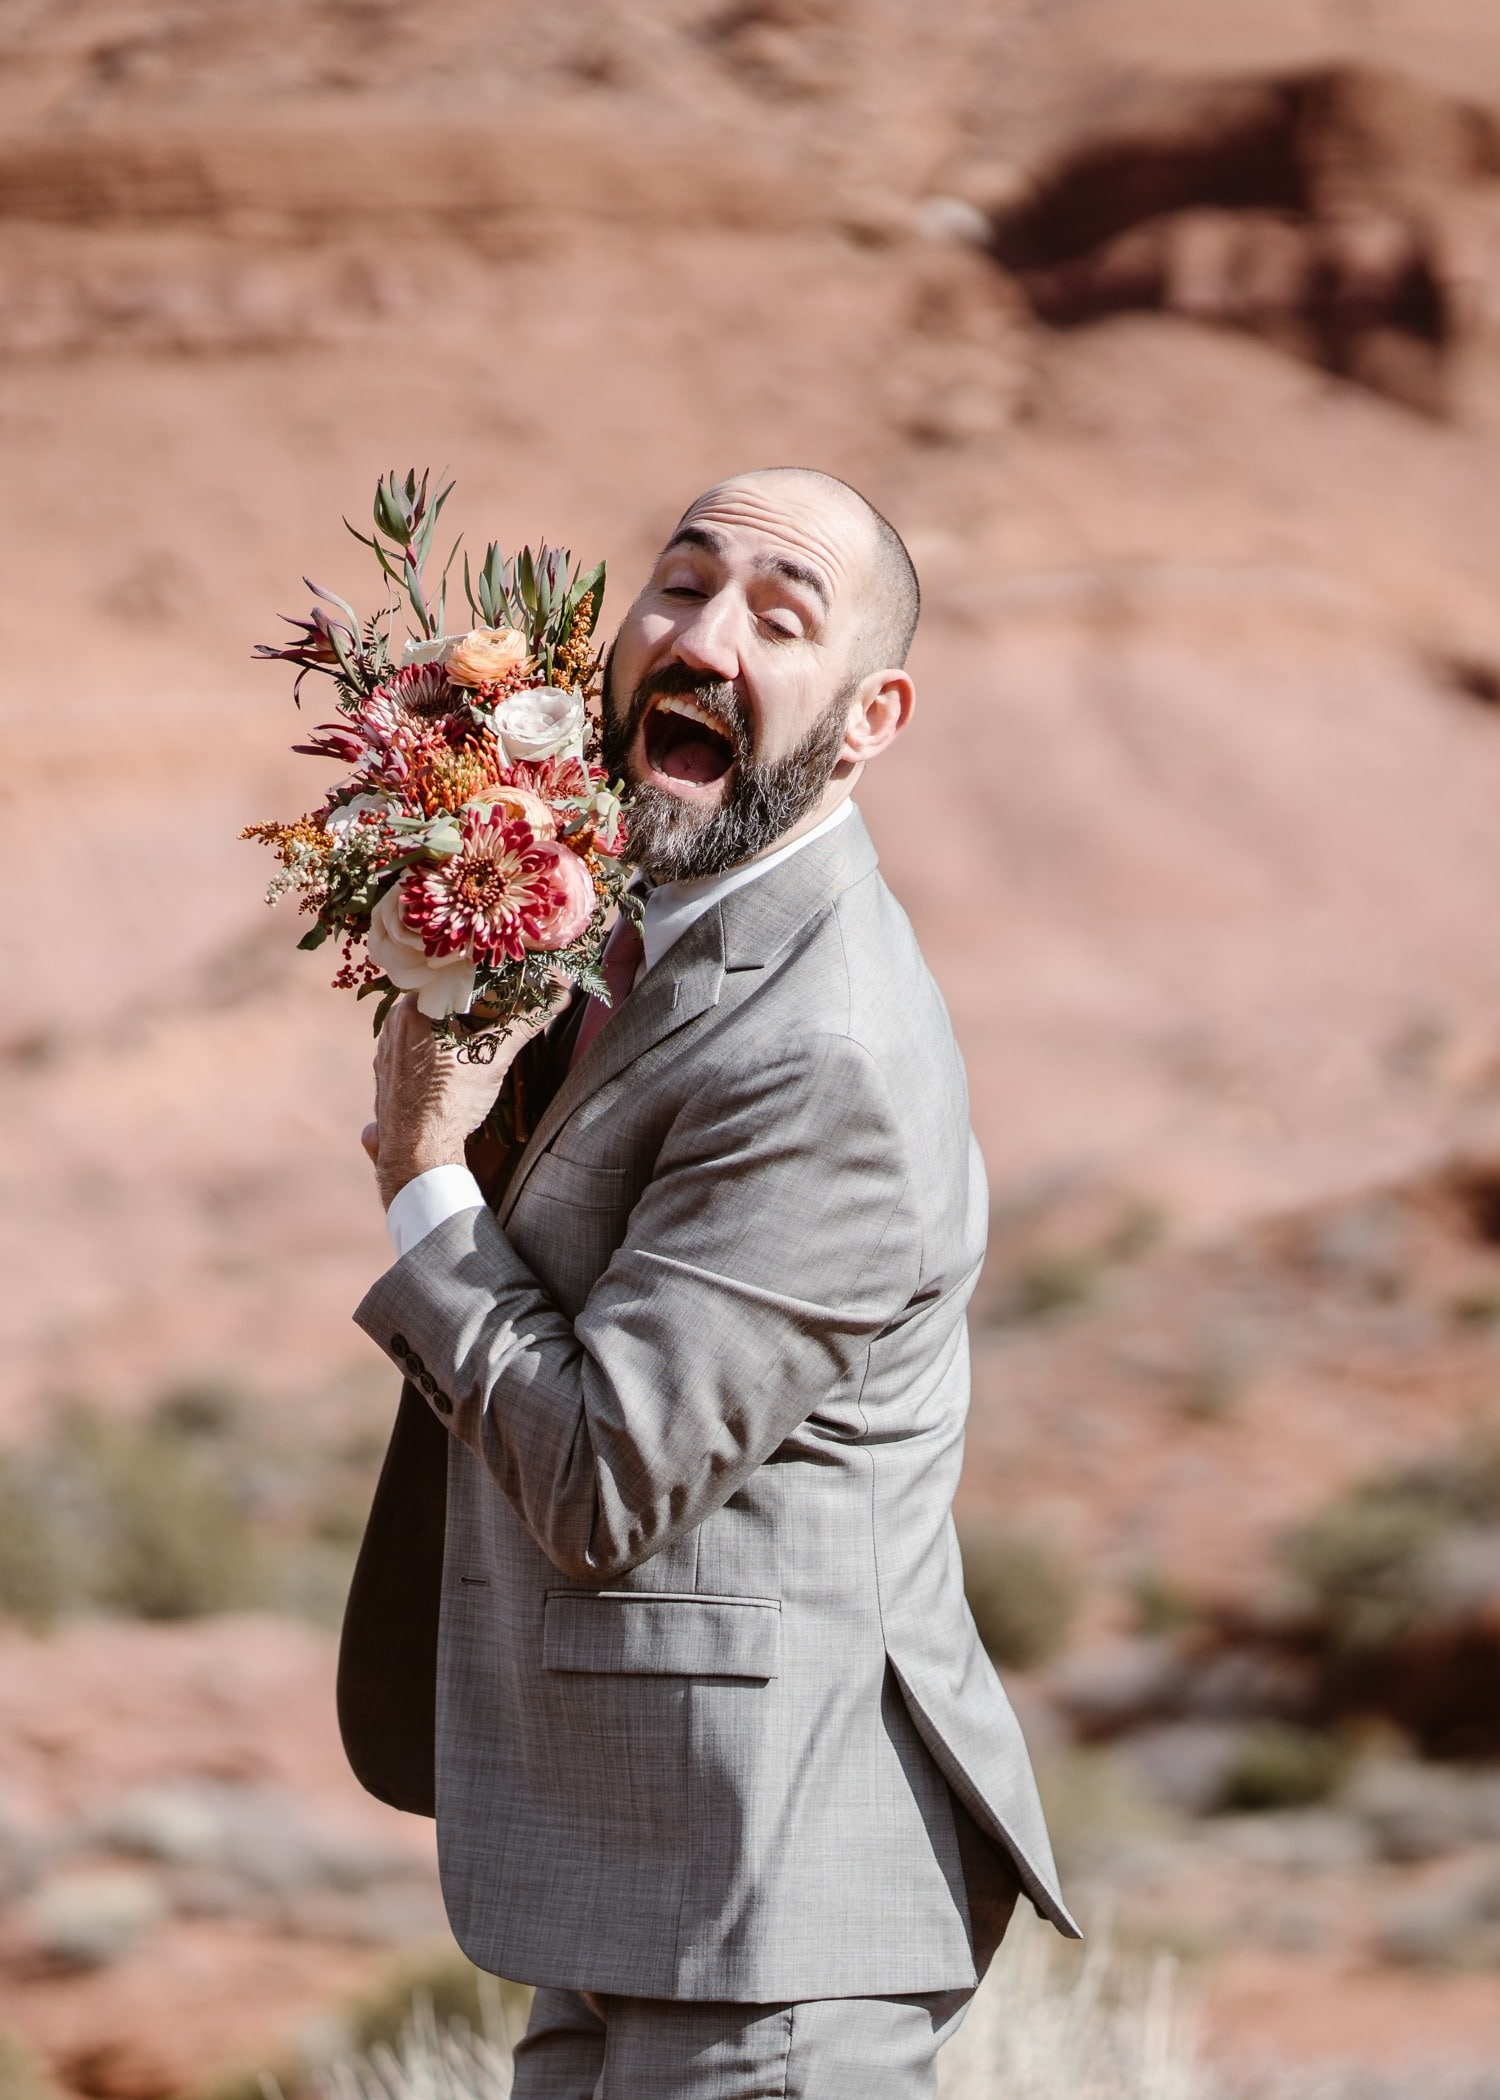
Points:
[(720, 1764)]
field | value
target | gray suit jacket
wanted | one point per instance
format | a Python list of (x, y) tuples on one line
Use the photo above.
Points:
[(709, 1703)]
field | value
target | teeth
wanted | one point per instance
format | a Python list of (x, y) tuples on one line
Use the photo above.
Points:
[(677, 704)]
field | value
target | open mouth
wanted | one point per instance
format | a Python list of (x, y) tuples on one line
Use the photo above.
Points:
[(685, 743)]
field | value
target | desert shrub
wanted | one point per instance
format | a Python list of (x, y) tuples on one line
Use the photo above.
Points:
[(169, 1536), (1478, 1307), (1023, 1590), (1278, 1766), (1216, 1379), (1162, 1602), (1052, 1283), (1096, 1804), (39, 1581), (1368, 1563), (1054, 1254), (21, 2076), (190, 1509), (1364, 1562)]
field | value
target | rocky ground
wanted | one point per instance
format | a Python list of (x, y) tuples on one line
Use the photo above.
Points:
[(1172, 347)]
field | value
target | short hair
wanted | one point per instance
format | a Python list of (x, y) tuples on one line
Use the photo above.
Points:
[(891, 622)]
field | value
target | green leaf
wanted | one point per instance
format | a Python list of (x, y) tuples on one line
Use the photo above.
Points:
[(594, 581), (389, 515), (411, 583), (442, 614), (343, 652), (315, 936)]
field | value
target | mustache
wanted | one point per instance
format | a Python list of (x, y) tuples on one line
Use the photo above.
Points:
[(716, 696)]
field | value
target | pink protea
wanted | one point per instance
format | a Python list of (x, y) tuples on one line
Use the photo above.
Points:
[(404, 724), (419, 692), (505, 891), (554, 779)]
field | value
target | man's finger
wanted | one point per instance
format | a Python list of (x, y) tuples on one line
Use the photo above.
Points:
[(369, 1137)]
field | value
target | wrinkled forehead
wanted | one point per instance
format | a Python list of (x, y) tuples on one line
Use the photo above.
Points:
[(802, 523)]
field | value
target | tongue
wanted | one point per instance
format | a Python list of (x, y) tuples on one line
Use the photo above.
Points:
[(697, 758)]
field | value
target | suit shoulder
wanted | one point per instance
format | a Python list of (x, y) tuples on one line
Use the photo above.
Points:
[(893, 998)]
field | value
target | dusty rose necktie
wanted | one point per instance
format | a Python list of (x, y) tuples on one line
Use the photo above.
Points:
[(623, 955)]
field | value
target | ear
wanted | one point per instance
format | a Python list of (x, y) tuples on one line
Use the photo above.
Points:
[(880, 710)]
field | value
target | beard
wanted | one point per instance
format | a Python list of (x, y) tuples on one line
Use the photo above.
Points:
[(675, 840)]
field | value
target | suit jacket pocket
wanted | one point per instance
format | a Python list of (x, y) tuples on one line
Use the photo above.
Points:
[(645, 1633), (580, 1186)]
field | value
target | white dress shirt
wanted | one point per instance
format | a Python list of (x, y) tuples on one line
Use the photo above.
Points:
[(442, 1192)]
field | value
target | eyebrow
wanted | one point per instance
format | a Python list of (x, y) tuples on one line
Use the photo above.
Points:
[(768, 564)]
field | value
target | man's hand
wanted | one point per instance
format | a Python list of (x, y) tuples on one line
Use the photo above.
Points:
[(428, 1097)]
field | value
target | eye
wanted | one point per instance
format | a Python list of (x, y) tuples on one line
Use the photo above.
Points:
[(689, 591), (779, 628)]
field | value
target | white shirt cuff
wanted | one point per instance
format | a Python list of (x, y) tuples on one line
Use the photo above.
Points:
[(429, 1201)]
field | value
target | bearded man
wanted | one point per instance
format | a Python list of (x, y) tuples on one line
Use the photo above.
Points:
[(660, 1605)]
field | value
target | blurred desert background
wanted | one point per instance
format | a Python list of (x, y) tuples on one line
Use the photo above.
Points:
[(1169, 335)]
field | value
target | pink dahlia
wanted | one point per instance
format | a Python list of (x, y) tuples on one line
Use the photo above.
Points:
[(505, 891)]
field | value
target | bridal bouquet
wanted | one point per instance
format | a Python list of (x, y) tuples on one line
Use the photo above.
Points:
[(471, 853)]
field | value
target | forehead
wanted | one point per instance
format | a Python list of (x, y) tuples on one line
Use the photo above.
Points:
[(786, 523)]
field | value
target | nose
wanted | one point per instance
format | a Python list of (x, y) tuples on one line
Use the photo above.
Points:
[(708, 640)]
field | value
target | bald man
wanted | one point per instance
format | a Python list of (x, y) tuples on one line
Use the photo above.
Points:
[(660, 1606)]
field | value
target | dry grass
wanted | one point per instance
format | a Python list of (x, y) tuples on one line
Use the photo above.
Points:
[(1049, 2024), (1056, 2023)]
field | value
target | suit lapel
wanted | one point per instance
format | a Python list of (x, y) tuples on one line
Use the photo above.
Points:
[(743, 931), (684, 983)]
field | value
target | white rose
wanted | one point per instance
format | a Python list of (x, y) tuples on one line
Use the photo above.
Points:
[(444, 984), (337, 822), (543, 722), (433, 652)]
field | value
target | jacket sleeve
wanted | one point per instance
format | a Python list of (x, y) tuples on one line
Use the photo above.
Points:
[(769, 1249)]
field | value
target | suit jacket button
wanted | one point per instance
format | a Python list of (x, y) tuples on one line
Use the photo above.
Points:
[(441, 1402), (400, 1346)]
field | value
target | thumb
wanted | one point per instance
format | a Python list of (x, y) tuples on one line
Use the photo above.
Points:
[(369, 1137)]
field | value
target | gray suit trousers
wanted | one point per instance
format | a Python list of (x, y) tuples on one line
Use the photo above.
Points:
[(582, 2047)]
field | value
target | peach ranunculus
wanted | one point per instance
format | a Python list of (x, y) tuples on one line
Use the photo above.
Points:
[(572, 904), (444, 984), (519, 802), (486, 655)]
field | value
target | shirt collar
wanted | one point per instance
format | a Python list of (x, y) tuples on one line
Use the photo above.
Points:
[(672, 907)]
